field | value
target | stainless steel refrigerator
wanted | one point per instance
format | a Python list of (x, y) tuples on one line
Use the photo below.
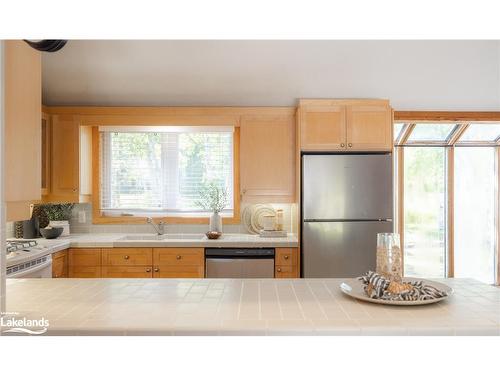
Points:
[(346, 200)]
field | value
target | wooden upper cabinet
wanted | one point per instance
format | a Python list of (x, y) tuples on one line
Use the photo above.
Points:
[(369, 127), (65, 156), (23, 111), (322, 127), (267, 158), (345, 125)]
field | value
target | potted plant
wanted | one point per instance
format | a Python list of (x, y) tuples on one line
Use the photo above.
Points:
[(213, 198), (59, 215)]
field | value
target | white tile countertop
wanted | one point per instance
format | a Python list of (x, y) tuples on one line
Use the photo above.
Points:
[(243, 307), (174, 240)]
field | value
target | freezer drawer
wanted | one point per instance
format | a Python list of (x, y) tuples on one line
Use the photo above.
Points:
[(239, 268), (353, 186), (340, 249)]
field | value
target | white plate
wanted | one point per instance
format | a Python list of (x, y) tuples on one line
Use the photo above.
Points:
[(258, 213), (355, 289)]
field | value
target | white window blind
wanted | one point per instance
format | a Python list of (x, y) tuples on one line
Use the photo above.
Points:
[(162, 170)]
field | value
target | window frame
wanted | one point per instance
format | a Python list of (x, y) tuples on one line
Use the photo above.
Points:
[(462, 120), (98, 216)]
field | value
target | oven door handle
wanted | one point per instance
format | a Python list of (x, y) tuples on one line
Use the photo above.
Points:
[(39, 267)]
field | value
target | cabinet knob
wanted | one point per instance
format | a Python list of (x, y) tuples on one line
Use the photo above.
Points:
[(350, 144), (126, 257), (342, 145), (278, 270), (178, 257), (148, 269), (74, 190), (157, 270), (286, 257)]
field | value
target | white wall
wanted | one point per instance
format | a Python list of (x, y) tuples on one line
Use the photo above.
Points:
[(418, 75)]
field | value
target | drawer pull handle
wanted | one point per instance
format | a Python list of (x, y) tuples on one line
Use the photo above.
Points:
[(126, 257), (278, 270), (148, 269), (157, 270), (286, 257), (178, 257)]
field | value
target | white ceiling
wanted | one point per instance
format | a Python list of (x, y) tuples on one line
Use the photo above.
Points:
[(432, 75)]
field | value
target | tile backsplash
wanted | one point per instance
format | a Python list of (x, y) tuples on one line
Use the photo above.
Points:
[(289, 218)]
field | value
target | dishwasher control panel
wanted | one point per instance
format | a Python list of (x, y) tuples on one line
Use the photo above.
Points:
[(239, 252)]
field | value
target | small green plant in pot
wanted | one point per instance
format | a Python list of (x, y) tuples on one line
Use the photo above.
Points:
[(213, 198)]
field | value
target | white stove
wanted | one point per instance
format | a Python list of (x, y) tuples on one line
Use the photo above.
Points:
[(28, 259)]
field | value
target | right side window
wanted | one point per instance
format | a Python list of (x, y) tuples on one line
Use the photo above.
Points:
[(474, 215)]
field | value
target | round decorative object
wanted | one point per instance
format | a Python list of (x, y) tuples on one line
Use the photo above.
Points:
[(213, 235), (51, 233), (355, 289), (258, 213), (246, 218)]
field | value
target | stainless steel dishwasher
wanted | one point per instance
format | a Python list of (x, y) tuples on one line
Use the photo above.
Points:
[(239, 263)]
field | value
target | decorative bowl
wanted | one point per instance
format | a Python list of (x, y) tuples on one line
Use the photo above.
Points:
[(51, 233), (213, 235)]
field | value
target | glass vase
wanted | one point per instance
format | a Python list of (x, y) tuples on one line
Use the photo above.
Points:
[(215, 222), (389, 257)]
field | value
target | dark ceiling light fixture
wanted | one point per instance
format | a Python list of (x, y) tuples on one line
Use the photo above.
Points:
[(47, 45)]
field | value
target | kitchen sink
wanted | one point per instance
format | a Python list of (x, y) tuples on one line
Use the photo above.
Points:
[(163, 237)]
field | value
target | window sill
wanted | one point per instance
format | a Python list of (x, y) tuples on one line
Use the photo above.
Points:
[(98, 219)]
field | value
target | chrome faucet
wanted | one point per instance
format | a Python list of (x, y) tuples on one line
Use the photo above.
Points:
[(159, 228)]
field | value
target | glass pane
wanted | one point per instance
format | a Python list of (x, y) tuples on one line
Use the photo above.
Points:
[(431, 132), (481, 132), (474, 213), (424, 211), (398, 126)]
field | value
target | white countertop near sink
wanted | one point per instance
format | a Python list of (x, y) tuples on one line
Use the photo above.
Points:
[(99, 240), (243, 307)]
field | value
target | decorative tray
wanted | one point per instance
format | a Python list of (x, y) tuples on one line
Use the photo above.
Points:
[(355, 289)]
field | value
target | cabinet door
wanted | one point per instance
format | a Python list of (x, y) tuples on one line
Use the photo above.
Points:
[(60, 264), (65, 158), (267, 158), (322, 128), (179, 272), (22, 115), (141, 272), (84, 272), (179, 262), (84, 257), (369, 127), (286, 272)]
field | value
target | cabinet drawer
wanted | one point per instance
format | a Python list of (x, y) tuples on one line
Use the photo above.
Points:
[(179, 271), (285, 272), (84, 271), (127, 271), (285, 257), (127, 257), (182, 256), (85, 257)]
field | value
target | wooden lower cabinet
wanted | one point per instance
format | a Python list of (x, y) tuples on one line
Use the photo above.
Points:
[(179, 262), (286, 263), (142, 272), (127, 256), (84, 262), (84, 272), (60, 264)]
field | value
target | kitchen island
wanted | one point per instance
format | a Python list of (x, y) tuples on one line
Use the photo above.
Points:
[(243, 307)]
